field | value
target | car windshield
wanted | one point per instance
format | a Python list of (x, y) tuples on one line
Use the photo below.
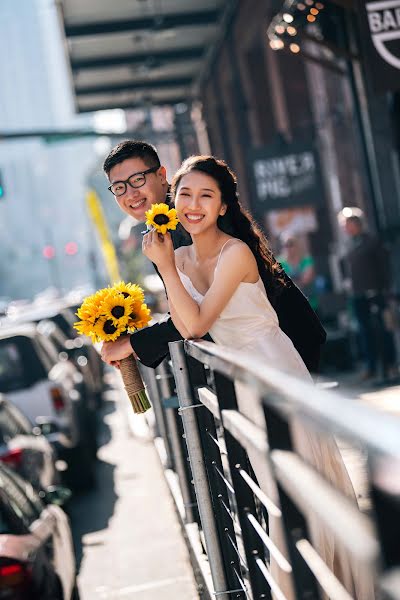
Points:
[(11, 366), (20, 366)]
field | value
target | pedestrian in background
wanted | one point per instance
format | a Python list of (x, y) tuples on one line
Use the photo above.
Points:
[(299, 265), (366, 264)]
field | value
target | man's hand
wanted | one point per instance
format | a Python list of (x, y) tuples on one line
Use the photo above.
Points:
[(159, 249), (113, 352)]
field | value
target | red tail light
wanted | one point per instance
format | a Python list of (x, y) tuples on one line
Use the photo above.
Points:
[(57, 399), (14, 580), (12, 458)]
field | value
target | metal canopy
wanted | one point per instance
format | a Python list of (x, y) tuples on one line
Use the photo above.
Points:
[(130, 53)]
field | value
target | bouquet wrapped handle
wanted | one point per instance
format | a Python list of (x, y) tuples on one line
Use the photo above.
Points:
[(134, 385)]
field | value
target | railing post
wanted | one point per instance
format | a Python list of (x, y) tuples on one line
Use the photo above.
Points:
[(178, 447), (238, 460), (150, 378), (186, 401)]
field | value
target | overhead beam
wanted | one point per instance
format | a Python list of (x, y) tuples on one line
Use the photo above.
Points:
[(161, 57), (132, 105), (135, 85), (157, 22)]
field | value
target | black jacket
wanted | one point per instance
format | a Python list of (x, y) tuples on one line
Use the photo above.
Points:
[(296, 318)]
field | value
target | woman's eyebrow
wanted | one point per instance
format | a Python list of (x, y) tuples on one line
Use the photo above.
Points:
[(202, 189)]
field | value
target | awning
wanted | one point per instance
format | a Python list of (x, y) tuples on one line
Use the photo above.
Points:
[(129, 53)]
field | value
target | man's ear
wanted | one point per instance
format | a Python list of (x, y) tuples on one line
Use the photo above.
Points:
[(162, 173)]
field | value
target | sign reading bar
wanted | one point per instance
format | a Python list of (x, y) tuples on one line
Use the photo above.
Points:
[(380, 34), (285, 177)]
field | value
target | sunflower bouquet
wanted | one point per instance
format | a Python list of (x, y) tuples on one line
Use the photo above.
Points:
[(110, 313)]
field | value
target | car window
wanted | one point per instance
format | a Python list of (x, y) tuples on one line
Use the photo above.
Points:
[(26, 369), (47, 352), (19, 422), (10, 522), (63, 324), (12, 372), (22, 498), (8, 427)]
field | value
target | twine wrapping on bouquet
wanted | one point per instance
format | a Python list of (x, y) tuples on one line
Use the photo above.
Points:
[(134, 385)]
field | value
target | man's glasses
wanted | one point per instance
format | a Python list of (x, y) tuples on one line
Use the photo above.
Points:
[(137, 180)]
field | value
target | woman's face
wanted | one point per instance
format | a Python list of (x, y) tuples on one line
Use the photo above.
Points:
[(198, 202)]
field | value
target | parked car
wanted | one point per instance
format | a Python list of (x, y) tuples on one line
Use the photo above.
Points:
[(79, 348), (25, 449), (36, 552), (47, 388)]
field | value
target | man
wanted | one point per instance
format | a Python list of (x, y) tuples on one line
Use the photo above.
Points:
[(366, 264), (138, 180)]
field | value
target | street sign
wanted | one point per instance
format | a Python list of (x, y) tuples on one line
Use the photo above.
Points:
[(380, 34)]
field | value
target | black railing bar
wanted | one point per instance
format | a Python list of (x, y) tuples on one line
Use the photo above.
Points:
[(322, 572), (249, 435), (274, 550), (339, 415), (240, 580), (241, 560), (217, 443), (276, 590), (271, 507), (209, 399), (313, 495), (223, 504), (222, 476), (390, 584)]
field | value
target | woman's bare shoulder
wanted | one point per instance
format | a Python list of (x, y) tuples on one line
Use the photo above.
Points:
[(180, 255)]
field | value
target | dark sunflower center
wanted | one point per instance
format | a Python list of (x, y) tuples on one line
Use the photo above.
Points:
[(117, 312), (108, 327), (161, 219)]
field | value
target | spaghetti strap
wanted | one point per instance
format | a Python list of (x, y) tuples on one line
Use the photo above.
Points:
[(223, 246)]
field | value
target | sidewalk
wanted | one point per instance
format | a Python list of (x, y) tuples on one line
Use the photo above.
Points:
[(127, 531)]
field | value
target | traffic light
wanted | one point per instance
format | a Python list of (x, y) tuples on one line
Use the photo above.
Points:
[(2, 190)]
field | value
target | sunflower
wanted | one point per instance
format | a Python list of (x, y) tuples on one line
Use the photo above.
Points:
[(161, 217), (116, 307), (105, 331), (84, 327), (89, 311), (139, 317), (130, 289)]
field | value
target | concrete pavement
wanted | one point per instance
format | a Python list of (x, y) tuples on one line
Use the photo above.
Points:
[(128, 539)]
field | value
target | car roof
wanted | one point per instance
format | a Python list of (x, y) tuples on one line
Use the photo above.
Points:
[(10, 329)]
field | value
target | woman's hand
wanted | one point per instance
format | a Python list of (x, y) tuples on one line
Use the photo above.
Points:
[(113, 352), (159, 249)]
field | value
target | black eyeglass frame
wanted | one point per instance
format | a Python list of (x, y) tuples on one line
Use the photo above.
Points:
[(127, 182)]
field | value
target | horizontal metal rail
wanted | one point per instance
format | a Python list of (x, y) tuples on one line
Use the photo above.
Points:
[(248, 475)]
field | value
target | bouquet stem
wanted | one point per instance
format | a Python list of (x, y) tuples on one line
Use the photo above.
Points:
[(134, 385)]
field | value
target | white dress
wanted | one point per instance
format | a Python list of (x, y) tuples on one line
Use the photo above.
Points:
[(249, 323)]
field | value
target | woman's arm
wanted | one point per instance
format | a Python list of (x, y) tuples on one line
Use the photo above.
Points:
[(185, 333), (198, 319), (236, 262)]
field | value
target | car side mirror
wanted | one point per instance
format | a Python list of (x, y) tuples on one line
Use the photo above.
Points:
[(55, 494), (45, 426)]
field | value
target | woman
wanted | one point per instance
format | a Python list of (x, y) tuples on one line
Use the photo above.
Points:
[(215, 285)]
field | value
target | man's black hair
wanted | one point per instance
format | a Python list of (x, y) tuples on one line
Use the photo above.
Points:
[(131, 149)]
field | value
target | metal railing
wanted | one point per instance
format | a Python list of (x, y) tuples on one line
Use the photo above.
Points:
[(237, 451)]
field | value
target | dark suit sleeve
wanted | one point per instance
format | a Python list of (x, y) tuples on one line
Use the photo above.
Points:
[(151, 343), (300, 323)]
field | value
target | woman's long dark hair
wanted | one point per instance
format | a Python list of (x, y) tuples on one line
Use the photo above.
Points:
[(237, 221)]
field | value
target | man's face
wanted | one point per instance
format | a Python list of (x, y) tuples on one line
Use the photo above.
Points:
[(136, 201), (352, 228)]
